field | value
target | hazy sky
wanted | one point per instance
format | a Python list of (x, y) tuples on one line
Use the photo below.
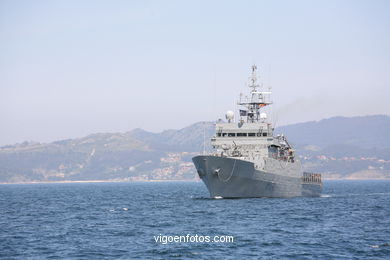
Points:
[(71, 68)]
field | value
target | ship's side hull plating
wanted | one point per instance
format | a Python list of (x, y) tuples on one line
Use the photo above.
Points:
[(233, 178)]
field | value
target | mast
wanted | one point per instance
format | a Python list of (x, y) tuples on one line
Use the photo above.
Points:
[(204, 138), (253, 79), (255, 101)]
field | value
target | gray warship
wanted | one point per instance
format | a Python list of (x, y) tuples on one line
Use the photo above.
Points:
[(248, 160)]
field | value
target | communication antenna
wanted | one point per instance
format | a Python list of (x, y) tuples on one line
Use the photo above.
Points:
[(215, 94), (204, 138), (253, 79)]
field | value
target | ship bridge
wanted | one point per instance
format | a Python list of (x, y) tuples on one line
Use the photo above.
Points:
[(242, 139)]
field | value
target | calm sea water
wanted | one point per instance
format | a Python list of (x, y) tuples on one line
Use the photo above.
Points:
[(121, 220)]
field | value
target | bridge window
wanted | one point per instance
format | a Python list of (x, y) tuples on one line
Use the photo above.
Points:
[(223, 134), (219, 134), (231, 134), (251, 134), (264, 134), (241, 134)]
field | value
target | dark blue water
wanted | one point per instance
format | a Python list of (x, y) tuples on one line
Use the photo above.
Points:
[(120, 221)]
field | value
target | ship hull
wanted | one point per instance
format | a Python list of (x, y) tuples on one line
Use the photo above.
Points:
[(233, 178)]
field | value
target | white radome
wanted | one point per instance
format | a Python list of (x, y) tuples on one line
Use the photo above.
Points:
[(263, 115), (229, 115)]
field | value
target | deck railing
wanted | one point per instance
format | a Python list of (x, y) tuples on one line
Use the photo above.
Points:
[(309, 177)]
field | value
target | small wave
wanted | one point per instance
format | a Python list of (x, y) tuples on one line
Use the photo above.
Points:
[(125, 209), (326, 196), (218, 197), (381, 245), (199, 211), (202, 198), (378, 193)]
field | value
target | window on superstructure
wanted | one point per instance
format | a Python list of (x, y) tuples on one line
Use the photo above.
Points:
[(232, 134), (264, 134), (251, 134), (241, 134), (223, 134), (219, 134)]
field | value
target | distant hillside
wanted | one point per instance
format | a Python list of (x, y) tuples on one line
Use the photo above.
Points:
[(190, 138), (365, 132), (135, 155), (339, 147)]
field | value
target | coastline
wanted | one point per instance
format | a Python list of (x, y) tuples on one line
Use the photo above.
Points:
[(95, 181), (146, 181)]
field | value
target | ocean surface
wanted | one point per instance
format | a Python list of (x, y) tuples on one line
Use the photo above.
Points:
[(123, 220)]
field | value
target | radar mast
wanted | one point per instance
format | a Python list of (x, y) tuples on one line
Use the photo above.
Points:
[(255, 101), (253, 79)]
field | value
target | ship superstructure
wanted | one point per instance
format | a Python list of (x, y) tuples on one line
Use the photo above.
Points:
[(248, 160)]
